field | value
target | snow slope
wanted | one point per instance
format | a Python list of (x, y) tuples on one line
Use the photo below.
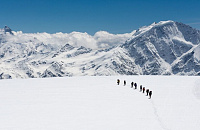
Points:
[(89, 103)]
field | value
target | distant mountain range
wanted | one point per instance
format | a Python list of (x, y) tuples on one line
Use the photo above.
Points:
[(164, 48)]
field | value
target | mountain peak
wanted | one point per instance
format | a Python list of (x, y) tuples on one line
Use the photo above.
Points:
[(169, 46), (162, 23), (7, 29), (165, 22), (145, 29)]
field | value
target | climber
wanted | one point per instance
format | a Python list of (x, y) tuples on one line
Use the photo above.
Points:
[(118, 81), (147, 91), (124, 82), (140, 88), (143, 89), (135, 85), (132, 84), (150, 94)]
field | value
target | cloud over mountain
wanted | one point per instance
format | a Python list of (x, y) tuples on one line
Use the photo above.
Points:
[(101, 39)]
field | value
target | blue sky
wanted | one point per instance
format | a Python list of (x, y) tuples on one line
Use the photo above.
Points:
[(114, 16)]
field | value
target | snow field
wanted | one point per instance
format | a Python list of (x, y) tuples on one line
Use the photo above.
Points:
[(89, 103)]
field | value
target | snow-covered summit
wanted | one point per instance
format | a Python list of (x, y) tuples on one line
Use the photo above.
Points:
[(145, 29), (5, 30), (161, 47)]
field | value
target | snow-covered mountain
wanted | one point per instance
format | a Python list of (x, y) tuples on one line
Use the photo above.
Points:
[(164, 48)]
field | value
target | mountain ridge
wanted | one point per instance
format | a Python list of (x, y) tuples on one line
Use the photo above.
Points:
[(164, 48)]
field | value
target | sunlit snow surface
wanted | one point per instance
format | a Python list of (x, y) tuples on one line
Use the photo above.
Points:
[(98, 103)]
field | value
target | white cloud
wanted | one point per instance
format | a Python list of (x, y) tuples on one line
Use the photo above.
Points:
[(104, 38), (101, 39)]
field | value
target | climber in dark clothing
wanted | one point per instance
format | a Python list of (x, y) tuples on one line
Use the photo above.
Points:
[(143, 89), (140, 88), (150, 94), (135, 85), (147, 91), (118, 81), (124, 82), (131, 84)]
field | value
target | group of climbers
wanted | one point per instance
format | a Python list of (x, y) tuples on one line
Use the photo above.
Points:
[(142, 89)]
